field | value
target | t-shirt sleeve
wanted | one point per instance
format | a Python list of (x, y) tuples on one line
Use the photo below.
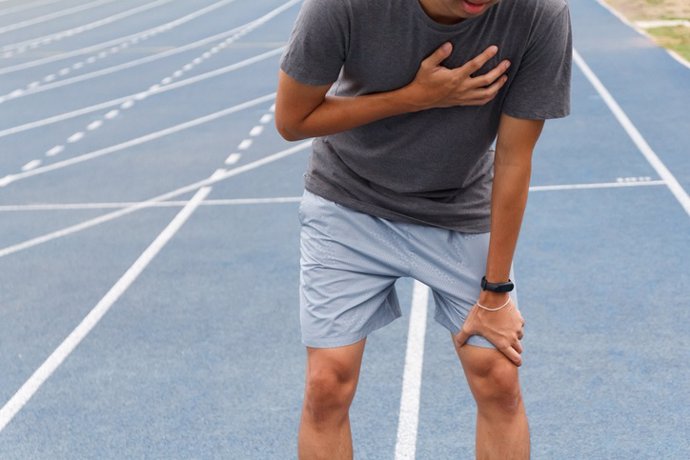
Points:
[(541, 86), (318, 45)]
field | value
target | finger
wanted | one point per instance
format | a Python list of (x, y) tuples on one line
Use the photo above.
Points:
[(517, 346), (478, 62), (491, 76), (493, 89), (461, 338), (521, 334), (485, 95), (438, 56), (512, 355)]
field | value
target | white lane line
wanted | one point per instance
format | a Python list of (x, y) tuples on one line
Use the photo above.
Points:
[(233, 158), (55, 151), (33, 164), (256, 131), (406, 442), (634, 179), (162, 204), (245, 144), (549, 188), (112, 114), (233, 34), (218, 173), (267, 118), (127, 104), (43, 373), (94, 125), (6, 180), (124, 100), (150, 202), (26, 6), (90, 26), (48, 17), (75, 137), (653, 159), (144, 139), (290, 199)]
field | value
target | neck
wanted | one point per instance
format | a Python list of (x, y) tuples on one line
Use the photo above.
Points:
[(439, 13)]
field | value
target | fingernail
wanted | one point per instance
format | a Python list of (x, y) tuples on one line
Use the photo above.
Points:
[(507, 64), (494, 48)]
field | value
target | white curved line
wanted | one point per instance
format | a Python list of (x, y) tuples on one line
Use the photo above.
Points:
[(136, 141), (99, 46), (48, 17), (27, 6), (58, 356), (235, 33), (645, 149), (89, 26), (152, 201), (120, 100)]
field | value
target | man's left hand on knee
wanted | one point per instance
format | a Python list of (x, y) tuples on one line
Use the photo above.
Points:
[(503, 327)]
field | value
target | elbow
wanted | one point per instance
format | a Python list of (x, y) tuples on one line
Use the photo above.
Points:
[(288, 131)]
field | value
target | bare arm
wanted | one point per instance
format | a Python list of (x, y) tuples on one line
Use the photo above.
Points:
[(304, 111), (512, 170)]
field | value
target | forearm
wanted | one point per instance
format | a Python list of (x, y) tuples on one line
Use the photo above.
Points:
[(304, 111), (336, 114), (508, 201)]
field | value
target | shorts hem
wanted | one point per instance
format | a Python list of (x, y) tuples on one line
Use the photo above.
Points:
[(475, 340), (349, 339)]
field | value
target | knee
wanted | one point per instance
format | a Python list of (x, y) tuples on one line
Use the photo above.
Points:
[(328, 394), (498, 388)]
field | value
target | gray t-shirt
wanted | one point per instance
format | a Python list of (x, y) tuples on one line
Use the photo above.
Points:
[(432, 167)]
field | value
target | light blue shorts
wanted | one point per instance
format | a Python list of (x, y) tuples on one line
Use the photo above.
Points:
[(350, 261)]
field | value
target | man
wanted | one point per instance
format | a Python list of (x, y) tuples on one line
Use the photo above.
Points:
[(405, 98)]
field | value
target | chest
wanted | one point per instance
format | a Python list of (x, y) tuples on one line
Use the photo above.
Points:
[(386, 55)]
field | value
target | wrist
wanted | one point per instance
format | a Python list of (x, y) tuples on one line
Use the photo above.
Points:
[(493, 299), (409, 98)]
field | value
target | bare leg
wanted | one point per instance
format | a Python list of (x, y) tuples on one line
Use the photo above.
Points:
[(331, 381), (502, 430)]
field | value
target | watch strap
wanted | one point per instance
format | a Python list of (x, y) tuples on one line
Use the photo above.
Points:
[(497, 287)]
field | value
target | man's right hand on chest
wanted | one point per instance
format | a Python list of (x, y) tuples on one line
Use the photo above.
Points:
[(436, 86)]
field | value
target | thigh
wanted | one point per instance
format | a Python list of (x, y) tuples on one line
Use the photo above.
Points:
[(347, 273)]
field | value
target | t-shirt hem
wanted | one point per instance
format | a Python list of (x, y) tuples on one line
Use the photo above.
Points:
[(469, 226), (304, 78), (536, 115)]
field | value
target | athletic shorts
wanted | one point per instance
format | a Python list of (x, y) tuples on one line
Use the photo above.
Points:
[(350, 261)]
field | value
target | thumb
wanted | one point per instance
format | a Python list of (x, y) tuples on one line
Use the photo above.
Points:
[(438, 56)]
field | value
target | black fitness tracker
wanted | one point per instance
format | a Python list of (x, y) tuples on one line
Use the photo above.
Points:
[(497, 287)]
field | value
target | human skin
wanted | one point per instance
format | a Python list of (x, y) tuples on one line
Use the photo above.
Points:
[(454, 11), (304, 111)]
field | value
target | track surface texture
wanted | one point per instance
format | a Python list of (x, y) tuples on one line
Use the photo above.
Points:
[(149, 249)]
